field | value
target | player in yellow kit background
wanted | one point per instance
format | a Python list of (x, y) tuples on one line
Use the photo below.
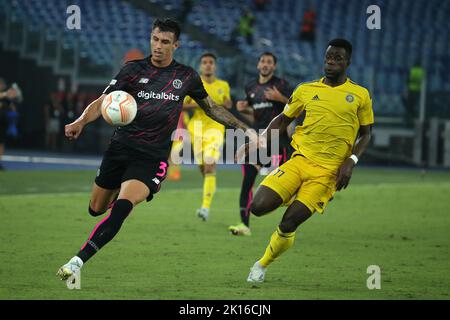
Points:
[(334, 134), (206, 134)]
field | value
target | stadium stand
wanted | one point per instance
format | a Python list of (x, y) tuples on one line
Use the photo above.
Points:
[(402, 41)]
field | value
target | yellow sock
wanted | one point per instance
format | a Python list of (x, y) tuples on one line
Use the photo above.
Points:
[(279, 243), (209, 188)]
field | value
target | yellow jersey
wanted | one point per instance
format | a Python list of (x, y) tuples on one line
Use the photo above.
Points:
[(332, 120), (219, 91)]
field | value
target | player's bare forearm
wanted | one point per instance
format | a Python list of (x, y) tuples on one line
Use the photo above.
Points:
[(283, 99), (220, 114), (249, 118), (344, 173), (248, 115), (365, 134), (280, 122), (189, 106), (92, 112), (228, 104)]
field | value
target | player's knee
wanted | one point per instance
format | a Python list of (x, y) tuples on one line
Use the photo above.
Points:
[(263, 204), (296, 214), (134, 199), (257, 207), (209, 169), (95, 213)]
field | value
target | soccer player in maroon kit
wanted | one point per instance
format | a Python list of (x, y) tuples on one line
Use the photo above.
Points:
[(135, 163), (266, 97)]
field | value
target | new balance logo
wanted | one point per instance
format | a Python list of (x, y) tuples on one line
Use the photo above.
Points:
[(316, 97)]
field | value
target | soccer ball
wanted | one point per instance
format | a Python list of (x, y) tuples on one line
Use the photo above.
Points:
[(119, 108)]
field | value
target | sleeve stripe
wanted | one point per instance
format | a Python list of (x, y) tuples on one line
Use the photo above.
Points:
[(106, 89)]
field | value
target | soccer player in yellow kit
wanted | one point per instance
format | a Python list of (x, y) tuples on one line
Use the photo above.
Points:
[(207, 134), (335, 133)]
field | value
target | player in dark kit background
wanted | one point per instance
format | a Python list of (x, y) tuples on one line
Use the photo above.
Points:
[(135, 163), (266, 97)]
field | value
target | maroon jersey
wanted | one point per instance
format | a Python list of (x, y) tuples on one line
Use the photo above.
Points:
[(265, 110), (159, 94)]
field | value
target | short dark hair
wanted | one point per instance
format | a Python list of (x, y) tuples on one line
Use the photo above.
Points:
[(342, 43), (208, 54), (268, 53), (168, 25)]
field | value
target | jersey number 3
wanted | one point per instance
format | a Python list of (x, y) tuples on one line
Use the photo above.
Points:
[(163, 167)]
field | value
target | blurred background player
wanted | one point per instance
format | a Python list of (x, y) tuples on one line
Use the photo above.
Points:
[(174, 171), (9, 97), (335, 133), (266, 97), (207, 134)]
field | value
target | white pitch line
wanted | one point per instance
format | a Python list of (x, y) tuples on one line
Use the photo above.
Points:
[(51, 160), (405, 185), (77, 193)]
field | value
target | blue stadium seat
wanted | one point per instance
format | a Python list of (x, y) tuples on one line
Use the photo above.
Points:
[(412, 31)]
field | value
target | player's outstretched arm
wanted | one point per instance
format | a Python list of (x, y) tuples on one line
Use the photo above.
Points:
[(245, 110), (91, 113), (189, 106), (280, 122), (345, 171), (220, 114)]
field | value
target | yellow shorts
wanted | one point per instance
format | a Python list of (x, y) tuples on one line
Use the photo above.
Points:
[(311, 184), (207, 146)]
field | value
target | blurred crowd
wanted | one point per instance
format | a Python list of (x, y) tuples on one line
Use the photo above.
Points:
[(10, 97), (61, 109)]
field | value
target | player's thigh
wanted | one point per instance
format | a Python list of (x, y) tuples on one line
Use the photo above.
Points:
[(317, 193), (101, 198), (211, 148), (134, 191), (285, 180), (197, 147), (142, 179), (108, 179), (265, 201)]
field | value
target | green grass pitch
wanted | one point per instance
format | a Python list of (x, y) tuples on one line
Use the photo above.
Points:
[(396, 219)]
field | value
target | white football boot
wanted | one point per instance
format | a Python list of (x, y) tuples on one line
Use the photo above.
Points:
[(257, 273), (70, 268), (203, 213)]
